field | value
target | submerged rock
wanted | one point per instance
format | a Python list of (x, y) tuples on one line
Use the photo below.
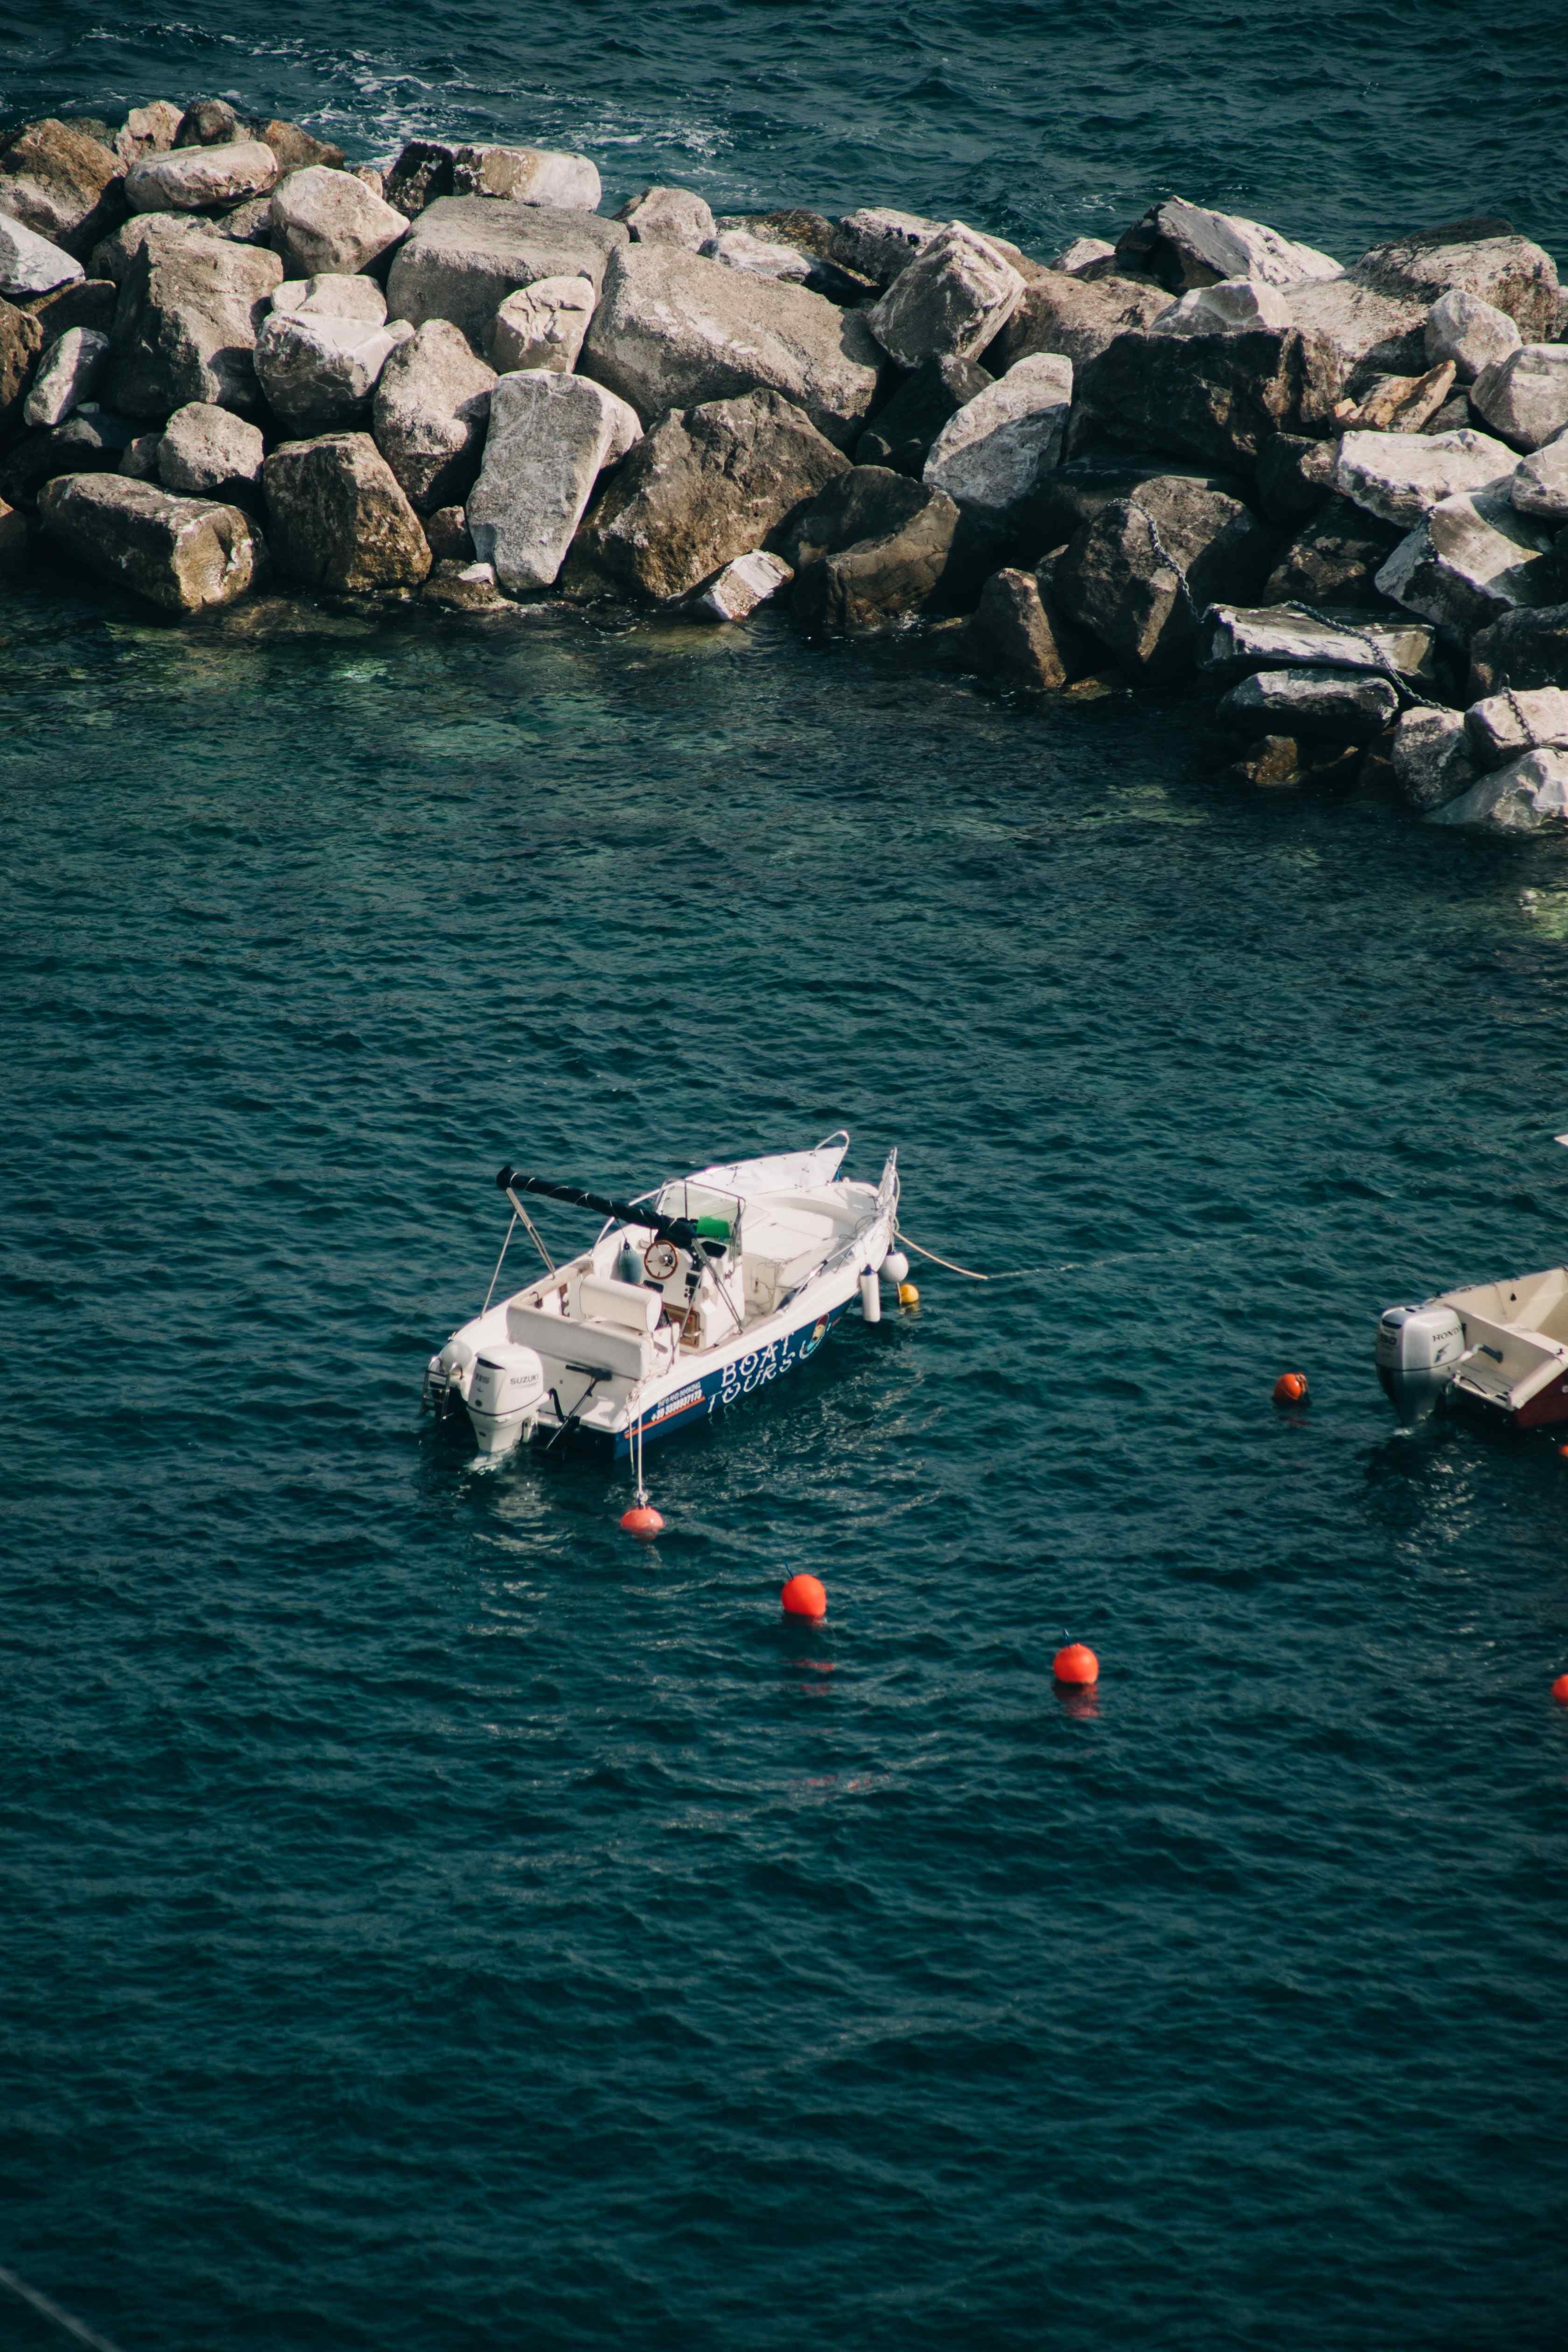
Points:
[(900, 435), (325, 221), (1528, 795), (338, 519), (992, 451), (1469, 559), (1402, 476), (949, 301), (667, 216), (740, 586), (550, 438), (708, 484), (1432, 757), (1336, 705), (207, 452), (466, 254), (870, 550), (1186, 246), (432, 404), (189, 313), (189, 179), (674, 330), (541, 326), (183, 555)]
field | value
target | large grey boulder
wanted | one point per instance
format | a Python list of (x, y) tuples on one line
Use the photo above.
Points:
[(190, 310), (550, 438), (1501, 725), (674, 330), (1539, 485), (338, 517), (1474, 257), (1075, 317), (1469, 559), (1081, 253), (1402, 476), (57, 179), (1186, 245), (950, 301), (871, 551), (760, 256), (1363, 325), (1012, 634), (1432, 756), (114, 255), (31, 264), (1216, 397), (900, 435), (1527, 796), (466, 254), (878, 242), (541, 326), (183, 555), (189, 179), (1525, 397), (1231, 306), (667, 216), (1083, 487), (68, 373), (708, 484), (325, 221), (1282, 636), (992, 451), (331, 294), (147, 130), (207, 452), (527, 176), (1337, 704), (1335, 560), (1138, 575), (1523, 648), (1473, 334), (432, 401), (319, 369), (738, 587)]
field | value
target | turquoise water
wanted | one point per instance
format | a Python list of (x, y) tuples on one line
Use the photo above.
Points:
[(434, 1923)]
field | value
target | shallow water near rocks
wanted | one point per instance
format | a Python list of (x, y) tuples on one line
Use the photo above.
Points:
[(431, 1921)]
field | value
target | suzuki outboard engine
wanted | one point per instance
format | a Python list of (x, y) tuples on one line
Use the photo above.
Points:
[(504, 1396), (1418, 1352)]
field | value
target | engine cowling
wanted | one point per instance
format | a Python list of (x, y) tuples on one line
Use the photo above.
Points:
[(1418, 1352), (507, 1389)]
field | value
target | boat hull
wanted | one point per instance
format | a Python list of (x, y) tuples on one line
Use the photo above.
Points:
[(702, 1397)]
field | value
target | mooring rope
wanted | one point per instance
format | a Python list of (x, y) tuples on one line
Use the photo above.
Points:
[(46, 2310), (968, 1272)]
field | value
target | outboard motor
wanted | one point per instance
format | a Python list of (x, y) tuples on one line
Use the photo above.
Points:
[(1418, 1352), (507, 1391)]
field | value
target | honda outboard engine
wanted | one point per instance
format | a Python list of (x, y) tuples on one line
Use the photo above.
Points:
[(1418, 1352)]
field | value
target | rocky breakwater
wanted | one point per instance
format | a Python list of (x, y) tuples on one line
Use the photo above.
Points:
[(1332, 496)]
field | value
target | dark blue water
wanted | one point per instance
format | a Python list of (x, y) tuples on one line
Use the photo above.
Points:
[(427, 1922)]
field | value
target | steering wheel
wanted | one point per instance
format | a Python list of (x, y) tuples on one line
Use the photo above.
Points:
[(660, 1260)]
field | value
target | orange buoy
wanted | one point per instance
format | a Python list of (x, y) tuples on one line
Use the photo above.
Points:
[(804, 1596), (1290, 1388), (642, 1521), (1076, 1664), (1560, 1690)]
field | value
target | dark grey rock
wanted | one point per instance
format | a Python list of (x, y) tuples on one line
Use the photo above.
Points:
[(900, 435), (1295, 476), (338, 519), (1335, 559), (1311, 703), (1216, 397), (1524, 649), (1122, 577), (871, 551), (182, 554)]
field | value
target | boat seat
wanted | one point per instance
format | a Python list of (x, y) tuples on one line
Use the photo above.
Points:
[(609, 1348), (601, 1299)]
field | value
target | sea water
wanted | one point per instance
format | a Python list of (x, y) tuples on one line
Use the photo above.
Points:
[(433, 1923)]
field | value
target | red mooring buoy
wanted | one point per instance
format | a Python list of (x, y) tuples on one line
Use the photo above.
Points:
[(642, 1521), (804, 1596), (1077, 1665), (1560, 1690), (1290, 1388)]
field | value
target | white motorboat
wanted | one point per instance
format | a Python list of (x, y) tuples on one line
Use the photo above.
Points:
[(1502, 1347), (692, 1297)]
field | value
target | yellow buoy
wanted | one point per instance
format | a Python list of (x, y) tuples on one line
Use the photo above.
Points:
[(908, 1294)]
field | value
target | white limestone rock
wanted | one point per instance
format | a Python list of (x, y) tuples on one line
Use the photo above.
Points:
[(542, 325), (147, 130), (1527, 796), (550, 438), (1082, 254), (674, 330), (668, 216), (31, 264), (991, 452), (1539, 485), (1364, 325), (878, 242), (68, 373), (1500, 727), (333, 295), (1282, 636), (1470, 558), (319, 370), (1231, 306), (738, 588), (431, 405), (1473, 334), (325, 221), (208, 452), (1187, 245), (1432, 756), (737, 248), (1525, 397), (1402, 476), (190, 308), (947, 302), (466, 254), (192, 179), (527, 175)]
